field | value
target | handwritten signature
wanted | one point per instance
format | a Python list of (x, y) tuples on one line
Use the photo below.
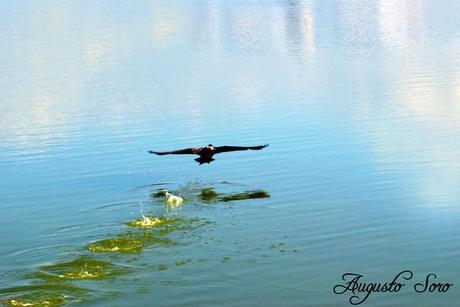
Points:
[(360, 291)]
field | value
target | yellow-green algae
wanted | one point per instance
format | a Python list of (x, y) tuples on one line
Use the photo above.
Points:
[(80, 269), (132, 241), (35, 301), (148, 238), (119, 244), (49, 295)]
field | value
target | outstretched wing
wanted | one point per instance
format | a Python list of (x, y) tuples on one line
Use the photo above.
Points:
[(186, 151), (235, 148)]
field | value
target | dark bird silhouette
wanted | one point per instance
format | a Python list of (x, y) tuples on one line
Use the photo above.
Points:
[(207, 152)]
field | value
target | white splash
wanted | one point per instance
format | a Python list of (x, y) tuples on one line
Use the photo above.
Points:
[(173, 201)]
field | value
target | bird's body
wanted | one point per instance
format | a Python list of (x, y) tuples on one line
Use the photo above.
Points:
[(206, 153)]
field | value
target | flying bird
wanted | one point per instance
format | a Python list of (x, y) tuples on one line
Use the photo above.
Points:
[(207, 152)]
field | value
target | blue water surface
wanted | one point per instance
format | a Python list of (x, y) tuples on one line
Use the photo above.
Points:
[(359, 101)]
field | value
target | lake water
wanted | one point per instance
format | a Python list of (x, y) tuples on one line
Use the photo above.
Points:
[(359, 101)]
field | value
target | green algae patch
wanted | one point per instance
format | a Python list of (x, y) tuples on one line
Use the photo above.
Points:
[(35, 301), (131, 241), (80, 269), (183, 226), (49, 295), (147, 231), (150, 238), (116, 245), (245, 195)]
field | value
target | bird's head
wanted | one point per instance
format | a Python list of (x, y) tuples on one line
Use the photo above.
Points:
[(210, 146)]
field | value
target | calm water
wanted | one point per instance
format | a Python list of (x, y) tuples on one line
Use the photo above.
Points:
[(359, 101)]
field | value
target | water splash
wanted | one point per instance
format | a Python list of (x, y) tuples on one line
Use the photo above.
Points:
[(149, 221), (171, 200)]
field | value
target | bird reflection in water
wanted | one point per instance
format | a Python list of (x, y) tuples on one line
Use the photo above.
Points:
[(209, 195)]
